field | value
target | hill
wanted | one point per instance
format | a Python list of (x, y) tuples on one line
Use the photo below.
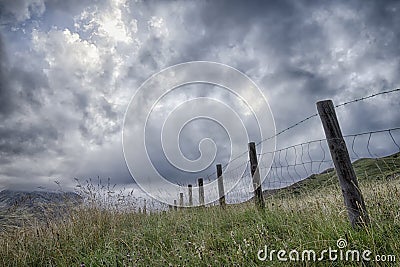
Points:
[(18, 207), (366, 169)]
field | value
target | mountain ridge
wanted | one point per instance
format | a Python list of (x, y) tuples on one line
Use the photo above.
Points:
[(21, 207)]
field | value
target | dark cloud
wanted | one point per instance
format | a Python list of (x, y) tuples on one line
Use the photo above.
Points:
[(6, 98), (27, 139), (72, 6), (66, 91), (20, 86), (108, 109), (20, 9), (16, 11)]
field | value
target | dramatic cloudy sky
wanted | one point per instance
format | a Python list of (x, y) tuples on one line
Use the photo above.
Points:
[(69, 68)]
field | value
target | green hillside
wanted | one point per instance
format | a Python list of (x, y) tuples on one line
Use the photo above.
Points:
[(366, 169)]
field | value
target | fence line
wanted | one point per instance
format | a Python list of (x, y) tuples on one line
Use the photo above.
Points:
[(292, 164), (302, 121)]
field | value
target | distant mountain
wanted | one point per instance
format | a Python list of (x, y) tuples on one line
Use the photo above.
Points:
[(9, 198), (20, 207)]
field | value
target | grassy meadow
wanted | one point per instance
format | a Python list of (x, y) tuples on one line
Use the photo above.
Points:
[(313, 218)]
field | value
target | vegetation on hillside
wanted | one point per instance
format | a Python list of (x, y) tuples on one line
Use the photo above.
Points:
[(309, 220), (366, 169)]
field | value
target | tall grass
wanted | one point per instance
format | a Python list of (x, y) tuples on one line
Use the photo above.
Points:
[(208, 236)]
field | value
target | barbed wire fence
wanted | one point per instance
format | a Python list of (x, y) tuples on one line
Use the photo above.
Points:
[(295, 163), (290, 165)]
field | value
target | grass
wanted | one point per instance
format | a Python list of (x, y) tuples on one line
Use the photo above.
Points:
[(366, 169), (313, 219)]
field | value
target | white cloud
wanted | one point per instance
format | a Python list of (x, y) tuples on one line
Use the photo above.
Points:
[(157, 27), (64, 49)]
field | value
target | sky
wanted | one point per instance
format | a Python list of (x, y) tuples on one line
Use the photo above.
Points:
[(69, 70)]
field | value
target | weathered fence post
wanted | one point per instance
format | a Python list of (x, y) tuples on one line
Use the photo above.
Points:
[(181, 200), (190, 195), (353, 198), (201, 191), (255, 173), (175, 205), (144, 207), (221, 191)]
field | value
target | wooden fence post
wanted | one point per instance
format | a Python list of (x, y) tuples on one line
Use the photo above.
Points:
[(255, 173), (180, 200), (190, 195), (221, 191), (175, 205), (144, 207), (353, 198), (201, 191)]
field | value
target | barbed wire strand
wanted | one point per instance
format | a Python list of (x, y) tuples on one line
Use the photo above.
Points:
[(316, 114), (366, 97)]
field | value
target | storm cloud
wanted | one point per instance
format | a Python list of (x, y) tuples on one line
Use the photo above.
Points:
[(69, 69)]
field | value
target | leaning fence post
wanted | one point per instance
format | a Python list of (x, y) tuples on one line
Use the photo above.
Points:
[(255, 173), (352, 195), (221, 192), (190, 195), (201, 191)]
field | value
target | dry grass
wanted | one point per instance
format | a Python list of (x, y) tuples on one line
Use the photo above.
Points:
[(206, 237)]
